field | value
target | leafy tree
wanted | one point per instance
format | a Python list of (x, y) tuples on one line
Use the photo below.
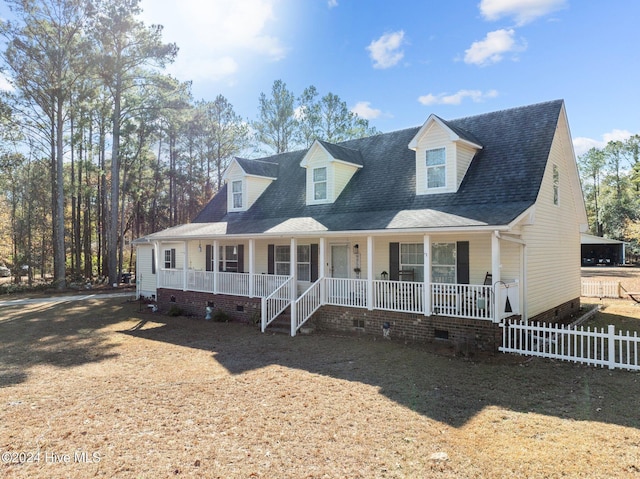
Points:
[(126, 47), (276, 122), (46, 53), (591, 166)]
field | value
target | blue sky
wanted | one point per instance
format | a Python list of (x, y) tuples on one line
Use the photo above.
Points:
[(396, 62)]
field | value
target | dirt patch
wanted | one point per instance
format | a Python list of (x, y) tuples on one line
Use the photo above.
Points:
[(103, 388)]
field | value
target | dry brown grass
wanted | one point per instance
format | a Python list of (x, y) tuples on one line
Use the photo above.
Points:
[(154, 396)]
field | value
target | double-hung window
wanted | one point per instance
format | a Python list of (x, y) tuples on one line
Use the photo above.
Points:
[(236, 191), (319, 184), (436, 168), (282, 260), (304, 262), (412, 259), (228, 258), (170, 258), (443, 263)]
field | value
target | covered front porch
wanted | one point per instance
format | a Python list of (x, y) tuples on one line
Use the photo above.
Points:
[(446, 275)]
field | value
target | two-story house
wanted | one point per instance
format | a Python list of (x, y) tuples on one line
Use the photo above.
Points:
[(438, 231)]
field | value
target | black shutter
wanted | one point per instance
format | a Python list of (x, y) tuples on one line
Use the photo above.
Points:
[(153, 261), (173, 258), (271, 258), (394, 261), (240, 258), (209, 257), (462, 257), (314, 262)]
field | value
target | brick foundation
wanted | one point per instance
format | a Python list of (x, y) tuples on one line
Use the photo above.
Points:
[(193, 303), (465, 335)]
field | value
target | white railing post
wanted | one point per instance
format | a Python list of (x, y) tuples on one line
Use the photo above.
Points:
[(293, 271), (252, 260), (370, 246), (263, 314), (185, 263), (611, 336), (322, 270), (426, 290), (215, 266)]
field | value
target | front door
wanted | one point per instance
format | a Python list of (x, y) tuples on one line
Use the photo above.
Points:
[(339, 261)]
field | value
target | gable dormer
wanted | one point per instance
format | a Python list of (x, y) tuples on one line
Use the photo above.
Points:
[(246, 181), (443, 155), (329, 169)]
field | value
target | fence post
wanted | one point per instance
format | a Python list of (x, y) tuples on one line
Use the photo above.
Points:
[(611, 333)]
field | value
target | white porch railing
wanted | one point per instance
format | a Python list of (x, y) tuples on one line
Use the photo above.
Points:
[(276, 303), (404, 296), (346, 292), (457, 300), (265, 284), (462, 300), (307, 304), (597, 347), (199, 280)]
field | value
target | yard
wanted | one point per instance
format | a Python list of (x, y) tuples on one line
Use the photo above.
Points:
[(105, 388)]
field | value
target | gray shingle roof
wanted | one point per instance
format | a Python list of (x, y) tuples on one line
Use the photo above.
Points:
[(341, 153), (502, 181), (258, 167)]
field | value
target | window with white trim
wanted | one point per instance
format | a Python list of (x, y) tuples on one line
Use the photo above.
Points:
[(556, 185), (170, 258), (436, 168), (282, 260), (304, 262), (236, 192), (443, 263), (412, 259), (228, 258), (319, 183)]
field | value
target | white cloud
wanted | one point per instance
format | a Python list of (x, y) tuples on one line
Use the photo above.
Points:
[(214, 36), (386, 50), (476, 96), (332, 3), (582, 144), (523, 11), (493, 48), (364, 110)]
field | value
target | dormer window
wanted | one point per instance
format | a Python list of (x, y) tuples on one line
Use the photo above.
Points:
[(236, 191), (436, 168), (320, 184)]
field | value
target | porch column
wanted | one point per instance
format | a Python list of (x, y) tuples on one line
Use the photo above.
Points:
[(427, 276), (252, 266), (156, 265), (370, 246), (185, 265), (322, 263), (293, 273), (216, 260), (495, 274)]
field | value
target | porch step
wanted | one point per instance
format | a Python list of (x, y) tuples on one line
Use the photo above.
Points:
[(280, 325)]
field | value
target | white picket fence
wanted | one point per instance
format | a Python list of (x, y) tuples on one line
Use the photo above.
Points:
[(597, 347), (600, 289)]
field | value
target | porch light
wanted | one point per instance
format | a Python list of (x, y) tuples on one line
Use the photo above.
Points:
[(356, 249), (199, 246), (384, 275)]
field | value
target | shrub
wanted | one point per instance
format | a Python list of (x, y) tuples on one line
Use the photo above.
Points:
[(220, 316), (175, 310)]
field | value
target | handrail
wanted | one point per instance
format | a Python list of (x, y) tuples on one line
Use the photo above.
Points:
[(307, 304), (276, 303)]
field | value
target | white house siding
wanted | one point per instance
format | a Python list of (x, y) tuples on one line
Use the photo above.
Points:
[(554, 254), (342, 173), (255, 187), (144, 271), (435, 137)]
